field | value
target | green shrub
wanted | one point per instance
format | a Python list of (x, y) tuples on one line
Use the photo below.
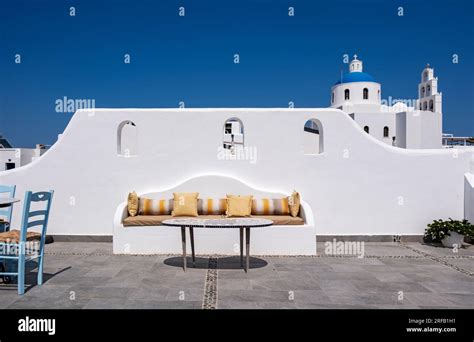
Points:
[(437, 230)]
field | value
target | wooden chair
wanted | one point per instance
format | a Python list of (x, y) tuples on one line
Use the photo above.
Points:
[(23, 246)]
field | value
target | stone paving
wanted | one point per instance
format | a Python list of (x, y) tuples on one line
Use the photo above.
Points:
[(391, 275)]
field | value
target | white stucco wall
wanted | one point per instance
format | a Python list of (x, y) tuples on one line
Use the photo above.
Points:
[(19, 156), (311, 143), (469, 197), (419, 129), (27, 155), (9, 155), (401, 129), (358, 185), (376, 123)]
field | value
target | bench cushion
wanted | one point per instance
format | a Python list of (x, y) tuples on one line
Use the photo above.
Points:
[(282, 220), (155, 220)]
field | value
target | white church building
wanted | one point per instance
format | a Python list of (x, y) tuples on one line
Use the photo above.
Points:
[(414, 124)]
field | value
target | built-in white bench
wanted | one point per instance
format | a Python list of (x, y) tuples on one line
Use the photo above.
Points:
[(273, 240)]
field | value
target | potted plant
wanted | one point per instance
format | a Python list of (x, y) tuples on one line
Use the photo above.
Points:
[(449, 232)]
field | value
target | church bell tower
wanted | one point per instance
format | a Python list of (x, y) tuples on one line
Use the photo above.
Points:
[(429, 99)]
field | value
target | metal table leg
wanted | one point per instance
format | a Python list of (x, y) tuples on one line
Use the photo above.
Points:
[(183, 241), (191, 234), (247, 243), (241, 247)]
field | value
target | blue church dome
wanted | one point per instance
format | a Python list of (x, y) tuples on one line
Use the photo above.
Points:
[(356, 77)]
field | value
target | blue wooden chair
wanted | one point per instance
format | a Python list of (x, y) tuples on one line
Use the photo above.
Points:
[(23, 246), (6, 212)]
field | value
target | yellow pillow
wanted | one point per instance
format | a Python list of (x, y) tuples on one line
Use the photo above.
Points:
[(239, 206), (132, 203), (185, 204), (294, 203)]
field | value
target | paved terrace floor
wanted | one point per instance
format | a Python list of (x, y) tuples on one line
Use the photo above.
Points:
[(391, 275)]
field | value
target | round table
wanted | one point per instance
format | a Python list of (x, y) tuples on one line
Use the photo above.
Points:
[(5, 202), (242, 224)]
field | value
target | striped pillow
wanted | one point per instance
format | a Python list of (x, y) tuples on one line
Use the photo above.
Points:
[(148, 206), (270, 206), (212, 206)]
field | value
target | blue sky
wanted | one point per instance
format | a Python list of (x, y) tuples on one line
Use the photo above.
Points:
[(191, 59)]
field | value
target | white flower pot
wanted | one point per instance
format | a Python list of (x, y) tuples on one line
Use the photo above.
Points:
[(453, 239)]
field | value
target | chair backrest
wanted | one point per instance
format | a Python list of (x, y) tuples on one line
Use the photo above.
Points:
[(30, 197), (6, 213)]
